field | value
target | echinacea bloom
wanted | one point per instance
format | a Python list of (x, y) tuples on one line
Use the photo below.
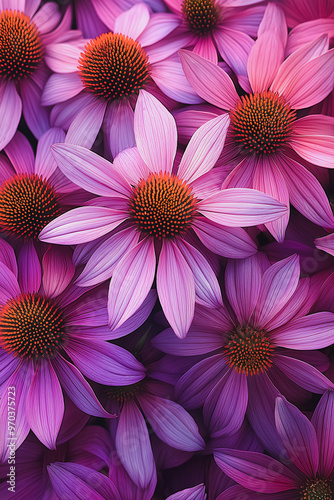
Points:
[(25, 32), (103, 90), (51, 336), (159, 209), (309, 447), (255, 347), (267, 144)]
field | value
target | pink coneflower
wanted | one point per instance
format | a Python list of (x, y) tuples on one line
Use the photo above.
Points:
[(266, 139), (51, 336), (103, 76), (25, 33), (159, 208), (254, 347)]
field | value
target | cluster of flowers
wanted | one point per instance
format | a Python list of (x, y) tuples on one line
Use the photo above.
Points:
[(166, 250)]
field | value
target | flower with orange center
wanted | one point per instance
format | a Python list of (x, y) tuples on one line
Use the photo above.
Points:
[(202, 16)]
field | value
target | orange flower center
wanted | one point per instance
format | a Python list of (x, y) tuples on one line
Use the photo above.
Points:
[(317, 489), (202, 16)]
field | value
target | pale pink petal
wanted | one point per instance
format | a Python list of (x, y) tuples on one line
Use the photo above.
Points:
[(63, 114), (62, 57), (268, 179), (169, 45), (278, 284), (13, 4), (60, 88), (204, 148), (323, 422), (234, 47), (131, 282), (242, 283), (133, 445), (35, 115), (326, 243), (62, 33), (20, 154), (176, 288), (80, 225), (47, 17), (241, 207), (9, 286), (174, 5), (86, 125), (311, 30), (131, 166), (105, 13), (132, 22), (313, 139), (206, 284), (118, 127), (45, 163), (155, 133), (31, 6), (158, 27), (89, 170), (30, 272), (209, 80), (45, 404), (245, 20), (10, 112), (58, 270)]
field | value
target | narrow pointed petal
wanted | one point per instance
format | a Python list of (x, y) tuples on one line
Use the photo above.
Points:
[(86, 125), (220, 92), (155, 133), (45, 404), (241, 207), (133, 445), (118, 127), (314, 331), (326, 243), (9, 286), (298, 436), (45, 163), (204, 148), (81, 225), (7, 256), (323, 422), (20, 154), (58, 270), (30, 272), (205, 47), (10, 112), (132, 279), (235, 48), (35, 115), (176, 288)]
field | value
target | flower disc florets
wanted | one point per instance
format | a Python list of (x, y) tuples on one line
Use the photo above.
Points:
[(317, 489), (202, 16)]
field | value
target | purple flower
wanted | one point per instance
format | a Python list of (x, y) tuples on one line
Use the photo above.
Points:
[(158, 210)]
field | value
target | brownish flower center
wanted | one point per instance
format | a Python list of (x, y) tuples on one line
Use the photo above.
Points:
[(261, 122), (202, 16), (126, 392), (317, 489), (113, 66)]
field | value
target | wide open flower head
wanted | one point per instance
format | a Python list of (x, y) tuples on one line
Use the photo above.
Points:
[(158, 208), (52, 335), (266, 139), (25, 32)]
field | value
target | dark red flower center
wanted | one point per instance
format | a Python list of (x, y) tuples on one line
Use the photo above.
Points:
[(32, 326), (163, 206), (126, 392), (113, 66), (27, 204), (249, 350), (202, 16), (317, 489), (261, 122), (21, 49)]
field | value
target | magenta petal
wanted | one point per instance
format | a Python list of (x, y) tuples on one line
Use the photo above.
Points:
[(195, 342), (45, 404), (20, 154), (45, 163), (118, 128), (225, 407), (323, 423), (235, 48), (279, 282), (326, 243), (86, 125), (7, 256), (29, 268), (35, 115), (58, 270), (176, 288), (313, 139), (195, 493), (132, 22), (9, 286), (10, 112), (256, 471), (172, 423), (105, 363), (314, 331), (133, 445), (8, 365), (298, 436), (131, 282), (77, 388)]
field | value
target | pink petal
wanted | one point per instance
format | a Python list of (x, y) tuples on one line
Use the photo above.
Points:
[(61, 87), (10, 112), (278, 284), (204, 148), (45, 404), (9, 286), (20, 154), (132, 22), (29, 268), (158, 27), (326, 243), (220, 92), (45, 163), (107, 15), (298, 436), (264, 61), (241, 207), (195, 342), (313, 139), (131, 282), (205, 47), (90, 171), (7, 256), (311, 30), (172, 423), (176, 288), (86, 125), (235, 48), (131, 166), (195, 493), (47, 18), (314, 331), (155, 132), (118, 127), (133, 445), (58, 270), (80, 225), (62, 57), (35, 115), (323, 423)]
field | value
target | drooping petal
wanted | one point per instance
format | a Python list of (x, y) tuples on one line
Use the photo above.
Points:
[(7, 256), (9, 286), (176, 288), (45, 404), (234, 47), (155, 133), (132, 279), (314, 331), (45, 163), (10, 112), (58, 270), (131, 166), (20, 154), (30, 272), (61, 87), (205, 47), (118, 127), (158, 27), (298, 436), (323, 422), (86, 125), (35, 115)]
